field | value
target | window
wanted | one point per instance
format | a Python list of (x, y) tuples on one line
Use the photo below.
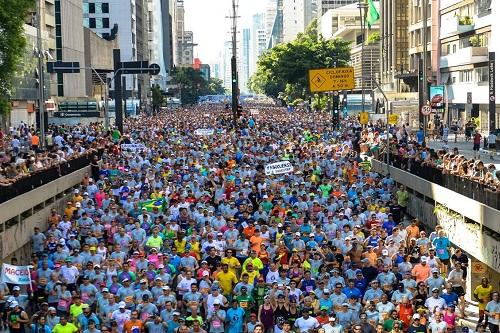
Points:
[(466, 76), (91, 8), (85, 7), (98, 8), (105, 7), (482, 74), (92, 23), (98, 23), (105, 22), (86, 22), (105, 35)]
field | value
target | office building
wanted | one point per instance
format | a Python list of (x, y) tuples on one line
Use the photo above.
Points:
[(225, 61), (467, 35), (297, 14), (274, 23), (324, 5), (244, 70), (185, 41), (159, 45), (258, 40)]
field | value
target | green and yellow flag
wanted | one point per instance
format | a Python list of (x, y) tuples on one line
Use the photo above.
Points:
[(149, 204), (372, 15)]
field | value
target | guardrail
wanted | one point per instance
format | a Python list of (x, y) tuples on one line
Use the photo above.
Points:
[(40, 178), (469, 188)]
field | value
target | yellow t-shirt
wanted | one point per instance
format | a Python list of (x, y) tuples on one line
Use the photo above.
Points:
[(251, 275), (484, 294), (75, 311), (226, 281), (232, 263), (68, 328)]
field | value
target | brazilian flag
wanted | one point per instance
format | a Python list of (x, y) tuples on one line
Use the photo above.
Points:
[(160, 203)]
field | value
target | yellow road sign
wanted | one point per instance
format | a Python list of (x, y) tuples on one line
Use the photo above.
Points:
[(364, 118), (393, 119), (331, 79)]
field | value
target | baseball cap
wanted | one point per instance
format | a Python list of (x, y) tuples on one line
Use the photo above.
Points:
[(385, 252), (423, 259), (416, 316), (121, 305), (435, 289), (165, 288), (331, 319), (16, 288), (13, 304), (217, 302)]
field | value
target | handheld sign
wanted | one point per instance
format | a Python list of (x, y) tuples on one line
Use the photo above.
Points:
[(132, 146), (278, 168), (204, 131), (16, 274)]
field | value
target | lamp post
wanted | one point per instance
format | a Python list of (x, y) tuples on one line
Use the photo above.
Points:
[(363, 6)]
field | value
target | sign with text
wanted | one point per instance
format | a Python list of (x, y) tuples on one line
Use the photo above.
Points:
[(16, 274), (278, 168), (204, 131), (491, 91), (364, 117), (393, 119), (331, 79), (436, 95)]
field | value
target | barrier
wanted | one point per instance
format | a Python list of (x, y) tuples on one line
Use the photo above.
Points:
[(469, 188), (37, 179)]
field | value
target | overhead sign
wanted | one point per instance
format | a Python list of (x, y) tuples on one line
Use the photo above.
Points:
[(426, 110), (70, 114), (278, 168), (132, 146), (63, 67), (331, 79), (204, 131), (436, 95), (16, 274), (393, 119), (364, 117)]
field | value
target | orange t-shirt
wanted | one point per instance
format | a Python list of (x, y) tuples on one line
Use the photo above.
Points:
[(255, 242), (412, 231), (133, 325), (421, 272), (35, 140)]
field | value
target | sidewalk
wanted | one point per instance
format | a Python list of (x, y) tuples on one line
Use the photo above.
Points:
[(464, 148)]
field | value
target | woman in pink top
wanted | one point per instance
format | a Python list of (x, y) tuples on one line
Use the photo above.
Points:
[(450, 318)]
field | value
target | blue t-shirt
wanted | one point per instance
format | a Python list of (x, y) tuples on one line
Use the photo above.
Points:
[(235, 318), (442, 244)]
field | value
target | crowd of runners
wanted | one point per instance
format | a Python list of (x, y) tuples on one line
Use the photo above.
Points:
[(179, 229)]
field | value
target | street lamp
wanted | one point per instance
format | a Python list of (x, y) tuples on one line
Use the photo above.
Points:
[(363, 6)]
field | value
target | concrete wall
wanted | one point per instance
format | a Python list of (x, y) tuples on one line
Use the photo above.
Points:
[(21, 214), (434, 204)]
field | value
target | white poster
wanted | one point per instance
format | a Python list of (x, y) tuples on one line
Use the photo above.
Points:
[(278, 168), (204, 131), (16, 274), (132, 146)]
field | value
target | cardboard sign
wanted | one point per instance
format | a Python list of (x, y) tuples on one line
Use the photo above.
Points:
[(278, 168)]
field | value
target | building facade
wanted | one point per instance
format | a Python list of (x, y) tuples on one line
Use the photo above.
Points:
[(467, 35), (274, 23), (244, 69), (297, 14), (257, 40)]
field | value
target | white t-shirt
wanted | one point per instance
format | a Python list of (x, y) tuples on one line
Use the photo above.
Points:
[(305, 325)]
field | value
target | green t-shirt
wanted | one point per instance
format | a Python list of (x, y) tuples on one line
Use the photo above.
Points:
[(267, 205), (325, 190), (245, 302), (68, 328)]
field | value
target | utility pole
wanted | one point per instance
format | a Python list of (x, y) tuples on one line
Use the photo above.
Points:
[(41, 83), (423, 94), (234, 69), (362, 5)]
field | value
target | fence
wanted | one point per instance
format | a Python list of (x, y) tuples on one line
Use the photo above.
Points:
[(37, 179), (471, 189)]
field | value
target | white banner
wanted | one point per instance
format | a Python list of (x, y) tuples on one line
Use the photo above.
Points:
[(132, 146), (278, 168), (204, 131), (16, 274)]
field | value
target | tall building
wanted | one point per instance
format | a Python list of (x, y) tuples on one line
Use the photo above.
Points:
[(395, 42), (244, 70), (467, 35), (185, 41), (345, 23), (226, 55), (130, 21), (324, 5), (297, 14), (258, 40), (274, 23), (159, 39)]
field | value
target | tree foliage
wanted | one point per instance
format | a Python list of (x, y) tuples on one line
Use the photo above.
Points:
[(194, 85), (158, 99), (12, 44), (284, 68)]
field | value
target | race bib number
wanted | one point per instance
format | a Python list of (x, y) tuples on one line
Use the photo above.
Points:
[(440, 251), (244, 304), (129, 299), (309, 289), (216, 323), (85, 297)]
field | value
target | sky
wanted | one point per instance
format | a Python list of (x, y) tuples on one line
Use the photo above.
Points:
[(207, 19)]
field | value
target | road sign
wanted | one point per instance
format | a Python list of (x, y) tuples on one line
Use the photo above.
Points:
[(135, 67), (393, 119), (364, 117), (154, 69), (63, 67), (426, 110), (331, 79)]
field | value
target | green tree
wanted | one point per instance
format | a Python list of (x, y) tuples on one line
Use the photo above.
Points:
[(157, 97), (12, 44), (193, 85), (284, 68)]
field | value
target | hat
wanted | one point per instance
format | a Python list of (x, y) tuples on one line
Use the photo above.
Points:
[(465, 329), (297, 234), (105, 290), (78, 204), (331, 319), (176, 313), (311, 234), (205, 273), (423, 259), (85, 306), (326, 291), (76, 191), (435, 289), (165, 288), (217, 302), (416, 316), (280, 225), (16, 288), (122, 305), (385, 252), (435, 270), (14, 304), (51, 308), (144, 281), (324, 307), (125, 280), (345, 304)]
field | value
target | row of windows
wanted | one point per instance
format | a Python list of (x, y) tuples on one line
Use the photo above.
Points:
[(480, 40), (96, 22), (476, 75), (96, 7)]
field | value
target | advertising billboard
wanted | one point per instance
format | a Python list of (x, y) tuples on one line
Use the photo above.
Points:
[(436, 97)]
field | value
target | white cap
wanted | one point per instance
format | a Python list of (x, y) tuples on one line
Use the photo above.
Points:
[(16, 288), (122, 305), (165, 288), (78, 204), (205, 273), (76, 191), (423, 259), (416, 316), (311, 234), (217, 301), (14, 304), (385, 252)]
